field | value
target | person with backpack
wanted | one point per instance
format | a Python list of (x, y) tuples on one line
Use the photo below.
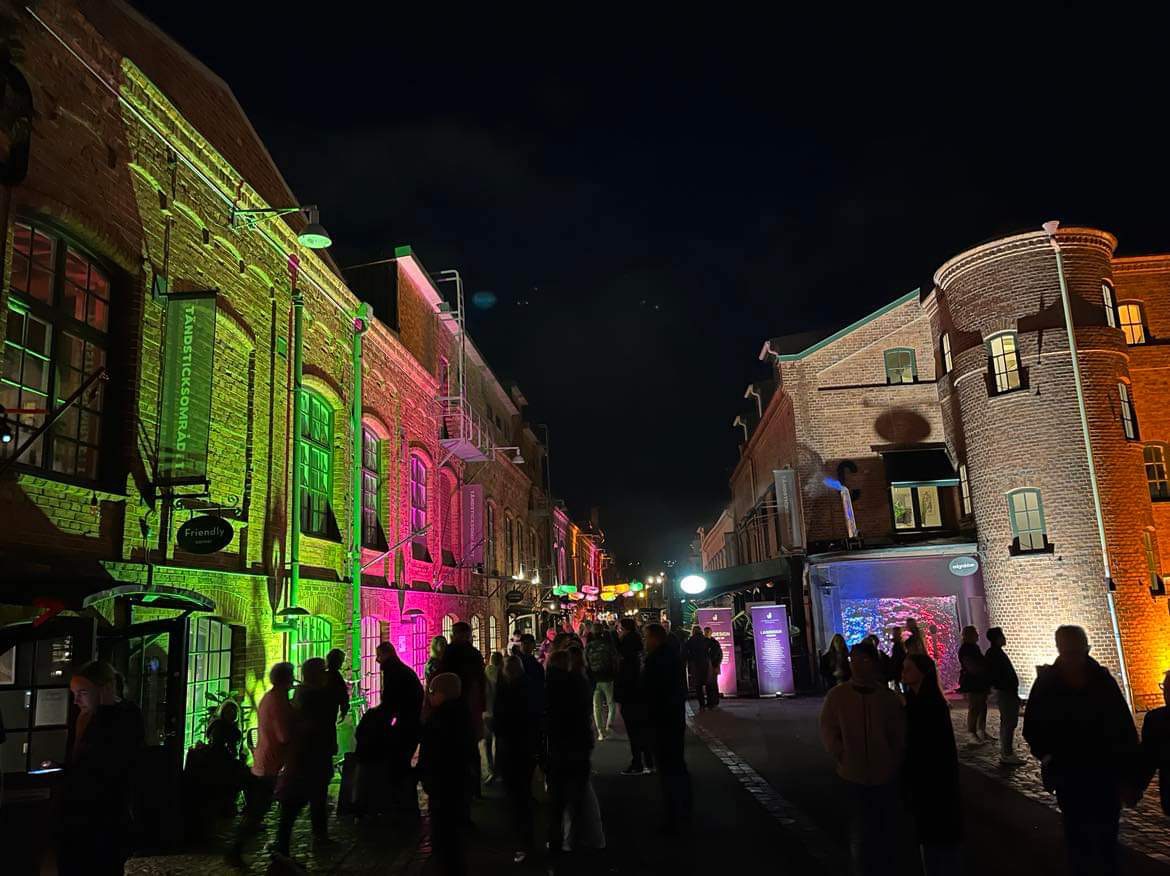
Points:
[(601, 661)]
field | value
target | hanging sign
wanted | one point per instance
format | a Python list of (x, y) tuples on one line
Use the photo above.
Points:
[(963, 567), (188, 363), (205, 535), (773, 655), (719, 620), (471, 520)]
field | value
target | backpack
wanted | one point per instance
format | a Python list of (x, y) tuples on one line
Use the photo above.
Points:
[(599, 657)]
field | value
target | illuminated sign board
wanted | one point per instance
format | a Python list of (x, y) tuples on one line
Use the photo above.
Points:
[(773, 653), (719, 620)]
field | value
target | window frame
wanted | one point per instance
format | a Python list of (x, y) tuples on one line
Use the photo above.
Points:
[(1018, 547), (965, 490), (945, 347), (59, 322), (1142, 333), (509, 545), (371, 496), (314, 639), (1001, 377), (1153, 561), (917, 524), (418, 497), (489, 537), (1129, 421), (316, 451), (371, 636), (1161, 494), (900, 368), (1109, 297), (448, 626)]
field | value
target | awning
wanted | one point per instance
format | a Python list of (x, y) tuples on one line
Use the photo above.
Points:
[(923, 466), (723, 581), (158, 596)]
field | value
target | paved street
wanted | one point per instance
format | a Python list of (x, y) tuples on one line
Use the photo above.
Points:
[(763, 788)]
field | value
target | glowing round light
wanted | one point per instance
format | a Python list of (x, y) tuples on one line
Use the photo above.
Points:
[(693, 584), (638, 585)]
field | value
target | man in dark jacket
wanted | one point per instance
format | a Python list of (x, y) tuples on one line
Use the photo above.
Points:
[(402, 697), (698, 660), (1156, 746), (630, 695), (1002, 676), (446, 735), (463, 659), (666, 709), (570, 744), (1080, 729), (715, 652)]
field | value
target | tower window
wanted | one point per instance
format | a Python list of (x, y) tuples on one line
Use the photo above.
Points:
[(900, 366), (1133, 322)]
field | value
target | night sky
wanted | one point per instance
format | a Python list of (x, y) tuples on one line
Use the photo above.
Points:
[(650, 200)]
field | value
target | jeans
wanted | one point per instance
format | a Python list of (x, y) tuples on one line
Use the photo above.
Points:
[(603, 705), (1009, 717), (977, 712), (489, 747), (669, 740), (567, 781), (636, 719), (873, 819)]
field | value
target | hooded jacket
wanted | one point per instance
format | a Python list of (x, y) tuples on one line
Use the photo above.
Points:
[(864, 729)]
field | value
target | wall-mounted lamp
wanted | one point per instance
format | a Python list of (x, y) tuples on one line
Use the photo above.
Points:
[(312, 236)]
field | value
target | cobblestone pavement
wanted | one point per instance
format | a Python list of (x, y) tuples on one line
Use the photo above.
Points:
[(1144, 828)]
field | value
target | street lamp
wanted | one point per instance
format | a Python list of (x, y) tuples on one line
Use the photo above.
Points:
[(312, 236)]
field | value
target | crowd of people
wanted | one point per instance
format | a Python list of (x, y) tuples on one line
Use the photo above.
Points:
[(893, 743)]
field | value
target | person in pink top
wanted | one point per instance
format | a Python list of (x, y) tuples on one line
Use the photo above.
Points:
[(275, 716)]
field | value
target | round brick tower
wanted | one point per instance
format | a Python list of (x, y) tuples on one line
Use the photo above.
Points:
[(1019, 427)]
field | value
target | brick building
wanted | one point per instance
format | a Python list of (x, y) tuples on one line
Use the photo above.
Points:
[(125, 167), (950, 422)]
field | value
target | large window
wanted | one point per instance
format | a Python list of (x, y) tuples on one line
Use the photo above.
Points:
[(1110, 302), (1027, 516), (1128, 417), (209, 672), (916, 508), (1155, 458), (448, 626), (490, 562), (58, 317), (509, 547), (314, 639), (371, 671), (493, 632), (1005, 361), (476, 633), (316, 437), (1133, 323), (965, 489), (900, 366), (945, 348), (371, 531), (418, 498)]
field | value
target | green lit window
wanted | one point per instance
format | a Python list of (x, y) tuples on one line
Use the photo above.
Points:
[(900, 366), (1132, 322), (371, 531), (1155, 459), (314, 639), (209, 672), (1005, 361), (55, 338), (1128, 417), (316, 437), (1027, 516)]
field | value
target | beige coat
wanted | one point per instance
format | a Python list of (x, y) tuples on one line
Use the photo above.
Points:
[(864, 729)]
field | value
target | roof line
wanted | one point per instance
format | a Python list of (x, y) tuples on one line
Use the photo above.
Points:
[(837, 335)]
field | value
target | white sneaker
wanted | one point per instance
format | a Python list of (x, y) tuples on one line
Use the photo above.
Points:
[(600, 737)]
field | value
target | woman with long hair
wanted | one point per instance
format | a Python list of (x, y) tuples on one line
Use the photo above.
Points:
[(438, 649), (835, 662), (931, 768), (974, 683)]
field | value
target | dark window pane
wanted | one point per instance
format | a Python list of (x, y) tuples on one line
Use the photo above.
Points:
[(12, 359), (36, 373), (42, 249), (40, 284), (14, 330), (38, 335), (99, 313), (87, 461), (73, 301), (64, 456), (19, 272)]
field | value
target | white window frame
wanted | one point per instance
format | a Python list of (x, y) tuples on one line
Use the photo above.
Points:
[(1157, 472), (965, 489), (1110, 304), (1129, 423), (1135, 330), (948, 363), (1029, 527), (1005, 363)]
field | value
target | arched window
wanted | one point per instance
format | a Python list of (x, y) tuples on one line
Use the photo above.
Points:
[(371, 671), (1155, 459), (493, 632), (1004, 353), (490, 562), (56, 338), (448, 517), (314, 639), (316, 437), (448, 626), (418, 499), (371, 528), (1133, 322), (900, 366), (1027, 517), (533, 552), (476, 633)]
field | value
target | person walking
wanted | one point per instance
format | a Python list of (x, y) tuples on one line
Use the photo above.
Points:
[(666, 697), (697, 656), (447, 734), (974, 684), (1001, 676), (715, 653), (517, 736), (915, 643), (1079, 727), (463, 659), (631, 696), (309, 768), (435, 660), (931, 769), (550, 636), (98, 784), (570, 744), (863, 728), (601, 658), (835, 662), (274, 717), (402, 696), (1156, 747), (491, 684)]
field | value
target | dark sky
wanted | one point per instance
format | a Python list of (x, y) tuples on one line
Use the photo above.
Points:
[(650, 200)]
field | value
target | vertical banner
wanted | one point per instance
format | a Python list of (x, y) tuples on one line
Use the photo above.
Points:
[(471, 517), (788, 505), (188, 365), (773, 654), (719, 620)]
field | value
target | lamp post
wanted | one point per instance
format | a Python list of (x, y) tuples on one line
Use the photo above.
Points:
[(1050, 230), (361, 324)]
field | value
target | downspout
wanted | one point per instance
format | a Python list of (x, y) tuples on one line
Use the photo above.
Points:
[(361, 323), (1110, 587), (294, 564)]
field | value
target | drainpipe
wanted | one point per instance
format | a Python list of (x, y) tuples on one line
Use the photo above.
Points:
[(1110, 587), (361, 323), (294, 564)]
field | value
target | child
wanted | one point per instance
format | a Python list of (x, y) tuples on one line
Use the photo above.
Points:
[(446, 737)]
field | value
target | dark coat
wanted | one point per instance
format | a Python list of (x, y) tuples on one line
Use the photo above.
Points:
[(715, 652), (697, 654), (534, 679), (1156, 752), (99, 780), (1000, 672), (464, 659), (627, 688), (973, 669), (447, 736), (666, 693), (930, 771), (570, 703), (402, 694), (1086, 732)]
